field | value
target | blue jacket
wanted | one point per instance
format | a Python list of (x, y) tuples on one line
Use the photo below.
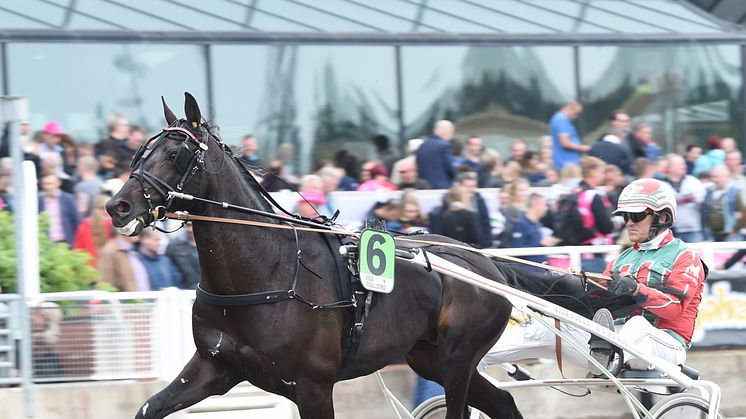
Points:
[(162, 272), (69, 214), (613, 153), (527, 233), (434, 162)]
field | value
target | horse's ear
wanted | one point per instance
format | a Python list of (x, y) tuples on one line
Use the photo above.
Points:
[(170, 117), (191, 109)]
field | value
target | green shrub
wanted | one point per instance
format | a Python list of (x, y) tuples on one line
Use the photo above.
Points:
[(60, 269)]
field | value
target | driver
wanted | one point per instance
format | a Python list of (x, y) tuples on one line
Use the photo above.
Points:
[(659, 272)]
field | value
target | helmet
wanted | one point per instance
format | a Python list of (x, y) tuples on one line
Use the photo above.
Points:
[(649, 193)]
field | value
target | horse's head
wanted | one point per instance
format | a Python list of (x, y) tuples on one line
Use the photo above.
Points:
[(171, 161)]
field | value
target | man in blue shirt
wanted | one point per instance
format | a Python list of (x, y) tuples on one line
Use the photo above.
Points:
[(566, 145), (528, 230)]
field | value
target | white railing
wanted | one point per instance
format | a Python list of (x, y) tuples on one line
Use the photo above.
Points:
[(10, 332)]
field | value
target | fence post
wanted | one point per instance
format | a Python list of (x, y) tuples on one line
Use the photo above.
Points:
[(13, 111)]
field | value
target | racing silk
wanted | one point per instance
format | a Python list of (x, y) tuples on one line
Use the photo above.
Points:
[(585, 201), (671, 278)]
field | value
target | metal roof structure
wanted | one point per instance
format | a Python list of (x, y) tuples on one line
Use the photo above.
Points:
[(549, 22)]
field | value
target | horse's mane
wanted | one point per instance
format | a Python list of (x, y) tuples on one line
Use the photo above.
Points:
[(565, 290), (244, 169)]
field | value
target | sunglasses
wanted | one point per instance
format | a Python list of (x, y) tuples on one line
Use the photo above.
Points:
[(636, 217)]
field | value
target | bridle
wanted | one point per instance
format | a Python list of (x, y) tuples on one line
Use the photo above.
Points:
[(189, 160)]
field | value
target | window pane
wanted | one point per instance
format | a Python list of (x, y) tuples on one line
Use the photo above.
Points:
[(686, 93), (320, 99), (25, 14), (499, 93), (101, 79)]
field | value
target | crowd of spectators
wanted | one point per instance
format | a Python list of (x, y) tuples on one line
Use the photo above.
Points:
[(76, 179)]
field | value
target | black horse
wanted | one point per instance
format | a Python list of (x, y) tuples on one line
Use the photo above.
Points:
[(291, 346)]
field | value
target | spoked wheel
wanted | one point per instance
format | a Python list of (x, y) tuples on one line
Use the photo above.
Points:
[(435, 408), (682, 405)]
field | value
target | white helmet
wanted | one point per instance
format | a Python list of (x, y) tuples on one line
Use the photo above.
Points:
[(652, 194)]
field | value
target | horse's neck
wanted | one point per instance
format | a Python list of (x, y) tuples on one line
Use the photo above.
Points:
[(231, 253)]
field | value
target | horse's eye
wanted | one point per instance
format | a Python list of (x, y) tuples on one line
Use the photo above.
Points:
[(172, 156)]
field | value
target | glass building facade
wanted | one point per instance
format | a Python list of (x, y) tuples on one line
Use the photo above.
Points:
[(329, 74)]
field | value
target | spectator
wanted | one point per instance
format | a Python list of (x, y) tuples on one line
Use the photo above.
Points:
[(61, 208), (46, 319), (614, 182), (693, 152), (162, 273), (408, 175), (468, 181), (53, 164), (434, 156), (723, 208), (644, 133), (531, 167), (95, 230), (411, 217), (595, 212), (379, 180), (644, 168), (347, 162), (365, 169), (460, 221), (528, 230), (715, 156), (511, 172), (619, 126), (115, 145), (412, 146), (51, 136), (727, 144), (734, 163), (120, 266), (609, 148), (274, 178), (383, 151), (121, 175), (492, 166), (69, 154), (518, 149), (330, 179), (183, 253), (250, 153), (514, 209), (566, 145), (473, 155), (311, 200), (135, 138), (690, 194), (88, 185), (387, 212)]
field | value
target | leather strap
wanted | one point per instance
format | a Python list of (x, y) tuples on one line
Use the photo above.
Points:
[(486, 252), (233, 300), (558, 347)]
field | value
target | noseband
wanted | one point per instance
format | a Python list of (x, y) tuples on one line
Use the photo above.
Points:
[(188, 162)]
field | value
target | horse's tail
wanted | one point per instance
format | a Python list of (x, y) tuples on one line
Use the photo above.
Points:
[(565, 290)]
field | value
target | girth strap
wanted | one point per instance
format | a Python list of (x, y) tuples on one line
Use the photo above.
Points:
[(232, 300)]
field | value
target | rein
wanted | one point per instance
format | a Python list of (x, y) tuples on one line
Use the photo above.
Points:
[(184, 217)]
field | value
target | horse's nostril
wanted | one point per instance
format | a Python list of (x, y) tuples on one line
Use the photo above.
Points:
[(122, 207)]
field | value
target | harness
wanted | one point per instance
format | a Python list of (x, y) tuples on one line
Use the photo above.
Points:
[(189, 160)]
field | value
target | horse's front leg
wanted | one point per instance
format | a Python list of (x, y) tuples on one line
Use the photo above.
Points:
[(314, 400), (199, 379)]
